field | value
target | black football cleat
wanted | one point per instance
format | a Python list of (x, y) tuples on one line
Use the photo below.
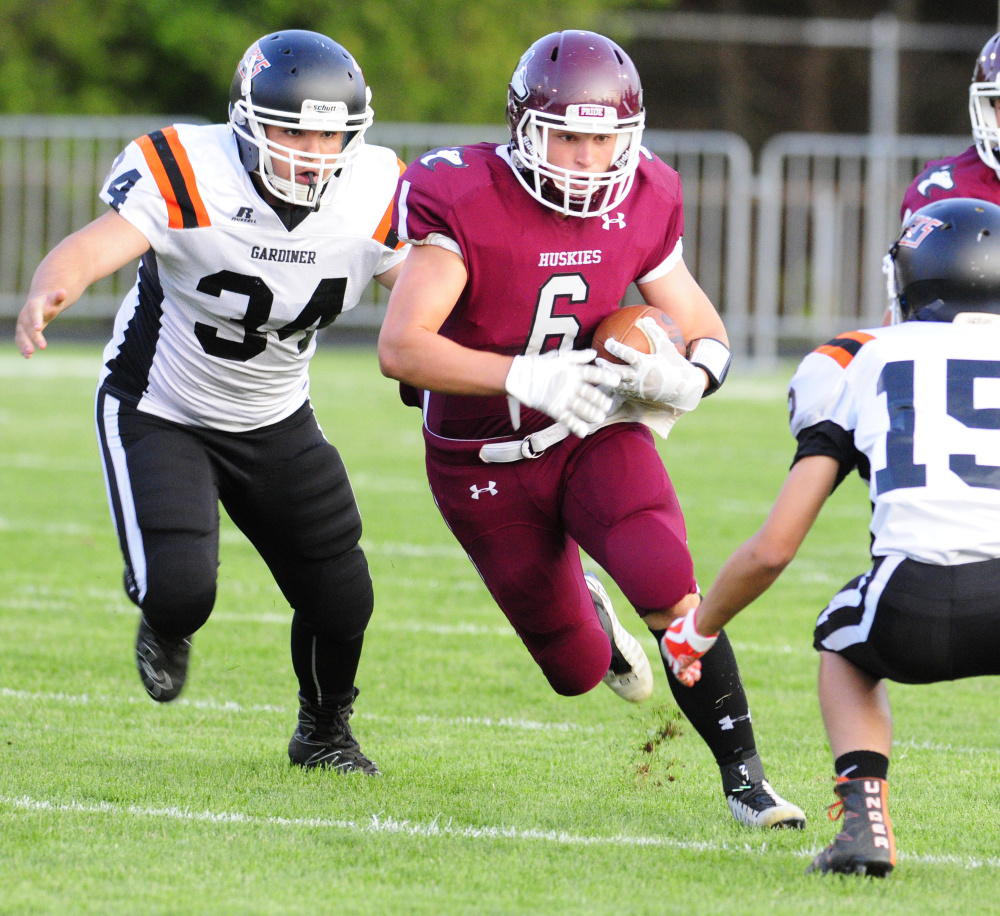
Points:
[(162, 662), (866, 844), (753, 802), (323, 740), (629, 675)]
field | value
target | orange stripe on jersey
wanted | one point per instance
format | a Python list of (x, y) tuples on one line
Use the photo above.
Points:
[(162, 182), (171, 168), (184, 164), (844, 347), (384, 233)]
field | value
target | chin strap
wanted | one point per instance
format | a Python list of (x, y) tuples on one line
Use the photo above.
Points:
[(313, 197)]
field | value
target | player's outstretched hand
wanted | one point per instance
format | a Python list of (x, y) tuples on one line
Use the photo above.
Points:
[(682, 645), (37, 312), (662, 375), (564, 386)]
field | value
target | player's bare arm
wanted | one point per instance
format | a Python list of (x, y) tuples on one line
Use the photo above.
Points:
[(758, 562), (754, 566), (678, 294), (389, 277), (410, 349), (88, 255)]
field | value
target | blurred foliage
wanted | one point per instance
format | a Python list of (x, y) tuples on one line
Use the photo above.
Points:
[(426, 60)]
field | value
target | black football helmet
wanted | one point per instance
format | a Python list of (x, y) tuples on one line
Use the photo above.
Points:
[(584, 83), (947, 260), (307, 80), (983, 92)]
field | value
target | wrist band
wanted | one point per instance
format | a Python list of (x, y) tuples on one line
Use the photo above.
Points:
[(714, 357)]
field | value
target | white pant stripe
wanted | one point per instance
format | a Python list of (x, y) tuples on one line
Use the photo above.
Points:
[(133, 536), (869, 595)]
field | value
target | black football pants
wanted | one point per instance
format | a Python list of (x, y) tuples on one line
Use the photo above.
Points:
[(284, 486)]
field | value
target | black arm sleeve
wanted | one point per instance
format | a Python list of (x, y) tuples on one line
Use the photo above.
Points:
[(828, 438)]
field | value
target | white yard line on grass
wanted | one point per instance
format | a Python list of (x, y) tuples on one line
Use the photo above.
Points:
[(84, 699), (441, 826), (229, 536), (116, 603)]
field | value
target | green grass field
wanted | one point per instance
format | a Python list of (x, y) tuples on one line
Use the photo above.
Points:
[(498, 796)]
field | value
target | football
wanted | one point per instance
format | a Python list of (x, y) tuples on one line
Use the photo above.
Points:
[(622, 326)]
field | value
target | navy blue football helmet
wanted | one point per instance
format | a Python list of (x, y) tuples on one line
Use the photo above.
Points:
[(947, 260), (308, 81)]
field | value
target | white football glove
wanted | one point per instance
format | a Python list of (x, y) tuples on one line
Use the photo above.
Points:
[(682, 645), (662, 375), (563, 386)]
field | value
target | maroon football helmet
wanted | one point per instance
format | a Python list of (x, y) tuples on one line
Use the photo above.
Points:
[(579, 82), (983, 91)]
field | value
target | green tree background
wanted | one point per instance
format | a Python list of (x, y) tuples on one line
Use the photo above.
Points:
[(426, 60), (450, 60)]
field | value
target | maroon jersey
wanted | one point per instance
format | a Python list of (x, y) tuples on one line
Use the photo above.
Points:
[(964, 175), (537, 281)]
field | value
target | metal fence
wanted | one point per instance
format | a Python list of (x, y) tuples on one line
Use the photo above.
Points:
[(51, 169), (827, 211), (790, 254)]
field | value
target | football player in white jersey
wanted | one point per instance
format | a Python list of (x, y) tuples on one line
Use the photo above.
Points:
[(252, 236), (913, 406)]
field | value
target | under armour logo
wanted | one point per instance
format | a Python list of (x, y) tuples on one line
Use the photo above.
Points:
[(491, 489), (729, 723), (245, 215), (618, 221)]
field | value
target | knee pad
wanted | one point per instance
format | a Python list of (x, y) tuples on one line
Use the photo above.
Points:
[(180, 589), (340, 601), (575, 659), (658, 576)]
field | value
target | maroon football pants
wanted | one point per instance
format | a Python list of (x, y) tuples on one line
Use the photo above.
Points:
[(522, 524)]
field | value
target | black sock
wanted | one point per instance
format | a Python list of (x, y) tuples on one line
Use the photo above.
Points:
[(862, 765), (716, 705), (325, 668)]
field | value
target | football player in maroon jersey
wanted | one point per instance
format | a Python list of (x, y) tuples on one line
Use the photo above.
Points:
[(533, 451), (975, 172)]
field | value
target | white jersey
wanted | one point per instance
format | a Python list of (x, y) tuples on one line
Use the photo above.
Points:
[(220, 327), (916, 406)]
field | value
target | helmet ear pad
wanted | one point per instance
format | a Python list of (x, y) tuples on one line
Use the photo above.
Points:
[(249, 154)]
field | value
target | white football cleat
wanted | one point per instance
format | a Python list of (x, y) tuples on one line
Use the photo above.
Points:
[(629, 675), (763, 807)]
